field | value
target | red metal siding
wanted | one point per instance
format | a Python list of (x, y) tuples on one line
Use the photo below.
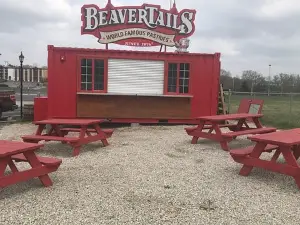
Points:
[(63, 77), (40, 108), (62, 83)]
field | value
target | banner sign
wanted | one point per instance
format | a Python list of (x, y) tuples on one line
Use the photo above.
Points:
[(144, 26)]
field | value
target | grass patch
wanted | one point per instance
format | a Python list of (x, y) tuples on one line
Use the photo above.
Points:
[(279, 111)]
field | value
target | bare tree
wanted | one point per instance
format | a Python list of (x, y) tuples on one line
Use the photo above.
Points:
[(254, 80)]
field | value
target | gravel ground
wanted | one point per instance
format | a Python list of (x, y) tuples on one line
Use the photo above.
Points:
[(149, 175)]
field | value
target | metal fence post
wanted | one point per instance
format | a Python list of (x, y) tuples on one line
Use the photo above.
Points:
[(229, 102), (291, 103)]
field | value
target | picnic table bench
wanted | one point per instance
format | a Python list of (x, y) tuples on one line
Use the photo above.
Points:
[(216, 122), (58, 133), (285, 142), (13, 151)]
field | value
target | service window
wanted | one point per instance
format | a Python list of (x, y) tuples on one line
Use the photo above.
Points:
[(178, 78), (129, 76)]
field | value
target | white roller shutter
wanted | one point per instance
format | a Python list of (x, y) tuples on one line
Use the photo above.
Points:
[(126, 76)]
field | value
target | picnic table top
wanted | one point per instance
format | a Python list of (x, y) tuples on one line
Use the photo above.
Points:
[(229, 116), (65, 121), (284, 137), (15, 147)]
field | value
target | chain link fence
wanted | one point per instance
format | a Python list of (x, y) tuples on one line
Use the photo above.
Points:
[(281, 110)]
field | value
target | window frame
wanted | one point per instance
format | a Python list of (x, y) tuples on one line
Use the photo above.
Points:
[(166, 81), (93, 76)]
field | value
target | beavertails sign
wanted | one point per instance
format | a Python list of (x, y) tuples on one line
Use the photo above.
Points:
[(144, 26)]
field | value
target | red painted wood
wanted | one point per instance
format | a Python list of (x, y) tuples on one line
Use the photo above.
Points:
[(68, 130), (48, 138), (40, 108), (249, 149), (101, 134), (288, 145), (230, 126), (224, 138), (284, 137), (59, 134), (190, 129), (206, 135), (4, 161), (13, 167), (256, 121), (108, 132), (8, 148), (44, 160), (229, 117), (75, 122), (22, 176), (40, 129), (246, 131), (276, 155), (269, 165), (246, 103), (256, 153)]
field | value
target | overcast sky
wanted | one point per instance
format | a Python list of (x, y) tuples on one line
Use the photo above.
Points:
[(249, 34)]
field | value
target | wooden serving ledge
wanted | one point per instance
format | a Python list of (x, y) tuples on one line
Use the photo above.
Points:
[(111, 105)]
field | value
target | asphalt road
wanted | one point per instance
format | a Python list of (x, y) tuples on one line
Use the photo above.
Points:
[(27, 99)]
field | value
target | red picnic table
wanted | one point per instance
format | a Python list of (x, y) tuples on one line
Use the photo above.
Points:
[(85, 127), (286, 142), (13, 151), (216, 122)]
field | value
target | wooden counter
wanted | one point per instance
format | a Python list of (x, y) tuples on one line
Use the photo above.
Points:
[(103, 105)]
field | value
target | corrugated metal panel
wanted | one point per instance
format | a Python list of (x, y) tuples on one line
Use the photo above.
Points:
[(128, 76)]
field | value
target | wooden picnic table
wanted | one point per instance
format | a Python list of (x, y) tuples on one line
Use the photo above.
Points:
[(14, 151), (285, 142), (89, 131), (216, 122)]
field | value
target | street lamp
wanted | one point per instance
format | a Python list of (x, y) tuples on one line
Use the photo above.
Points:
[(21, 58)]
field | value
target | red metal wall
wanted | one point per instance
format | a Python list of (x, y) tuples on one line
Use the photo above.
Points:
[(62, 77), (40, 108)]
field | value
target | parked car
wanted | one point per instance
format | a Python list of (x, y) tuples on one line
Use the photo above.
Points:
[(7, 99)]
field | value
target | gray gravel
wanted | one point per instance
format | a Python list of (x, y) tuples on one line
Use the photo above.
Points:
[(149, 175)]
